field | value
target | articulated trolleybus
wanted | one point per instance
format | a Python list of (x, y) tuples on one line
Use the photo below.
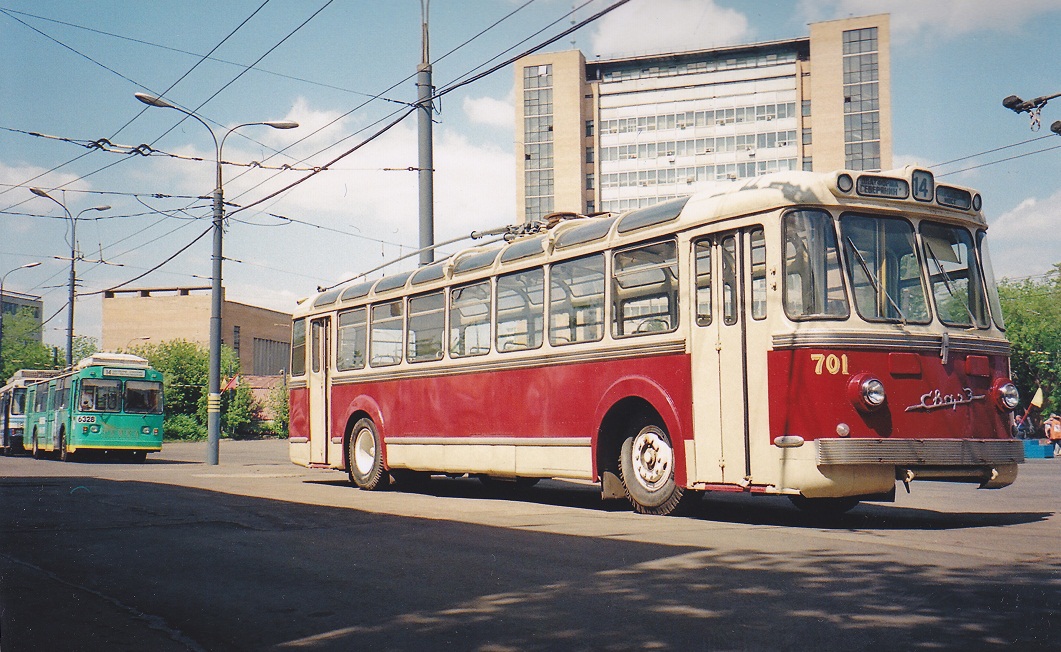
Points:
[(820, 336), (107, 402)]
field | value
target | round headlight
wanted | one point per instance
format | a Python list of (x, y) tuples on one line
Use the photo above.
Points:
[(866, 392), (845, 183), (1007, 395), (873, 392)]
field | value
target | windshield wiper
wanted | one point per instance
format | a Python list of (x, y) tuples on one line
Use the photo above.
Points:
[(947, 284), (875, 281)]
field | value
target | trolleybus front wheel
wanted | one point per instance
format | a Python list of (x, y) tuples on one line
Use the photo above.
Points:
[(36, 448), (365, 457), (646, 467)]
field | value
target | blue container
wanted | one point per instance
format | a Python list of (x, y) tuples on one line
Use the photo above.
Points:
[(1034, 449)]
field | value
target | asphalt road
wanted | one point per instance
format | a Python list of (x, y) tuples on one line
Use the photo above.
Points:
[(259, 554)]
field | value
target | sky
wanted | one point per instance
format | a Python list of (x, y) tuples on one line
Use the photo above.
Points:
[(346, 68)]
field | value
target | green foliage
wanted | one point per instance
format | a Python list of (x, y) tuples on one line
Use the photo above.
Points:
[(185, 368), (183, 427), (1032, 308), (21, 350), (278, 401), (84, 346)]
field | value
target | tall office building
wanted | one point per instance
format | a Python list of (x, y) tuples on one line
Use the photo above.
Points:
[(617, 134)]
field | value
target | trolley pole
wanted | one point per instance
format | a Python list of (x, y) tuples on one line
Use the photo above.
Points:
[(426, 156)]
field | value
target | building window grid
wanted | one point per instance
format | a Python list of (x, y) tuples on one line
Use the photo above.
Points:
[(538, 141), (861, 82), (764, 141), (698, 67)]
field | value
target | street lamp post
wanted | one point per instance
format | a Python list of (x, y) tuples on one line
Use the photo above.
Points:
[(2, 279), (213, 399), (73, 268)]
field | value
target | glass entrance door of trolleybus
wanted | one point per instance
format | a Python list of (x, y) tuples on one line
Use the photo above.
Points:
[(318, 380), (729, 340)]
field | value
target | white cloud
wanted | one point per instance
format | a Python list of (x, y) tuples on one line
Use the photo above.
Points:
[(911, 19), (490, 111), (668, 26), (1027, 240)]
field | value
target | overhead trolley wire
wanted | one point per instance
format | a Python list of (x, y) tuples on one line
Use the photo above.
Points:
[(441, 92)]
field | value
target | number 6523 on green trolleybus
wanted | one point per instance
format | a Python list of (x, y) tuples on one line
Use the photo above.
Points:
[(107, 402)]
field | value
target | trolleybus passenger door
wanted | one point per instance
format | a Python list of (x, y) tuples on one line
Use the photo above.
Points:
[(730, 308), (318, 379)]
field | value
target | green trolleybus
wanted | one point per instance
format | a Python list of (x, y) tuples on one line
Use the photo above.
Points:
[(108, 402)]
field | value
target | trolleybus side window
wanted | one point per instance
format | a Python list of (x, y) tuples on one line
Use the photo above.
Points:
[(98, 395), (316, 336), (469, 320), (645, 289), (62, 393), (814, 285), (729, 280), (298, 348), (143, 396), (576, 300), (427, 323), (40, 403), (520, 310), (353, 339), (954, 274), (385, 344), (18, 401), (881, 258), (989, 277), (758, 242), (702, 252)]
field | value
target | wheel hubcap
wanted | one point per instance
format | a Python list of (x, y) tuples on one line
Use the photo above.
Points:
[(651, 456), (364, 451)]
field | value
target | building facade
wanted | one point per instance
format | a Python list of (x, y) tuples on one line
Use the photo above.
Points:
[(16, 302), (618, 134), (260, 337)]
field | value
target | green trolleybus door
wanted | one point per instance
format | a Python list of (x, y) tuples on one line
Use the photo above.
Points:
[(318, 379)]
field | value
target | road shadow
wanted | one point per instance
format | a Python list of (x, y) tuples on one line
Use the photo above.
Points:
[(747, 509), (229, 572)]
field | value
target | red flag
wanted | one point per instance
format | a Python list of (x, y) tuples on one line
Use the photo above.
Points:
[(231, 384)]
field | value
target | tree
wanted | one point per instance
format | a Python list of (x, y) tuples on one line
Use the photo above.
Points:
[(84, 346), (21, 350), (1032, 309), (185, 369), (279, 402)]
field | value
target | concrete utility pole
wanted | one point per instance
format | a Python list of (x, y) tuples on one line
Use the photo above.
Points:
[(426, 162), (213, 397), (73, 269)]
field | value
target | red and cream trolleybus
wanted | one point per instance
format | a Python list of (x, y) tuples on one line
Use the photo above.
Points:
[(820, 336)]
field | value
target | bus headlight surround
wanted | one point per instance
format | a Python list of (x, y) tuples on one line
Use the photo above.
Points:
[(845, 183), (1006, 395), (866, 392)]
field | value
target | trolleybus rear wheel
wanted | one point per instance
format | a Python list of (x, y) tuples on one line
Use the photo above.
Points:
[(365, 457), (646, 466)]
